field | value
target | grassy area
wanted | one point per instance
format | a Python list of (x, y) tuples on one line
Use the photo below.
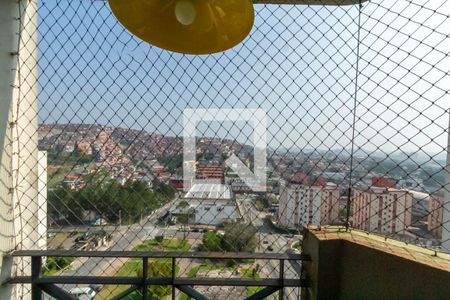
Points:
[(166, 245), (297, 245), (250, 290), (261, 204), (55, 264), (229, 262), (247, 273), (194, 270), (133, 266), (129, 268), (136, 295)]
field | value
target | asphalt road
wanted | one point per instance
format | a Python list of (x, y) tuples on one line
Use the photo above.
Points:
[(123, 238), (279, 243), (126, 237)]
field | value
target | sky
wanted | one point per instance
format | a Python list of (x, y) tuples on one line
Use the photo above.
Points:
[(299, 64)]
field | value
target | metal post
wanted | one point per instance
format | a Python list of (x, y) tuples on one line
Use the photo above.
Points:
[(446, 205), (36, 292), (144, 278), (173, 277), (282, 279)]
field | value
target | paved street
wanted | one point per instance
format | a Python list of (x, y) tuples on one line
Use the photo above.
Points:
[(126, 237), (279, 243)]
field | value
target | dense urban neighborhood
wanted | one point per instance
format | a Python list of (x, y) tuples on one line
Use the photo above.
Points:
[(111, 188), (120, 175), (123, 189)]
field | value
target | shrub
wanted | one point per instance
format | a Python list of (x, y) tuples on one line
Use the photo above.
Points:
[(55, 264)]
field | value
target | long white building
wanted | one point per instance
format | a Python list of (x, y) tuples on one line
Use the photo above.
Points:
[(208, 204), (303, 204)]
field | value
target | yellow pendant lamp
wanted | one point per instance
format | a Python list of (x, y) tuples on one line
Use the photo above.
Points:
[(187, 26)]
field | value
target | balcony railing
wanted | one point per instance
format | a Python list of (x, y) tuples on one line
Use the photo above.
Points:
[(48, 284)]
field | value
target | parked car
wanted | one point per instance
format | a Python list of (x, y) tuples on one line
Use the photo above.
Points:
[(73, 233), (83, 237), (100, 222), (86, 235), (185, 228), (83, 293), (95, 287)]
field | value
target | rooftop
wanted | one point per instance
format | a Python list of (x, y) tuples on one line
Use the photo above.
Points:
[(210, 191)]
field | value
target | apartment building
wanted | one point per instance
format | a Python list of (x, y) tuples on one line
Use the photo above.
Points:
[(436, 214), (302, 203), (382, 209)]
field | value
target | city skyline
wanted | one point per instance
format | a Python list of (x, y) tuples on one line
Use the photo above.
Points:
[(132, 84), (418, 156)]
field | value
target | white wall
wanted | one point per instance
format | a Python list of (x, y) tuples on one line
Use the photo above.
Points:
[(18, 136), (316, 205), (42, 200), (290, 218), (210, 215), (209, 211), (8, 45)]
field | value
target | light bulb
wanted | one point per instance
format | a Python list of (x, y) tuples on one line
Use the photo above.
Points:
[(185, 12)]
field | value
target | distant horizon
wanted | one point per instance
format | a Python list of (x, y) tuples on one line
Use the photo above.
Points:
[(438, 156), (298, 64)]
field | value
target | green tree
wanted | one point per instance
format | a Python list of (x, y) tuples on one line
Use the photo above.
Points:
[(186, 214), (182, 205), (212, 241), (165, 190), (240, 237), (66, 205), (107, 198), (158, 268), (173, 163)]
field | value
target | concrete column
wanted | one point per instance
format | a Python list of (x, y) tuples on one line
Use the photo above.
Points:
[(9, 29), (18, 136), (446, 212), (25, 138)]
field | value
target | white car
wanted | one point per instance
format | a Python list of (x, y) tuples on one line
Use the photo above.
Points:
[(185, 228), (83, 293)]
